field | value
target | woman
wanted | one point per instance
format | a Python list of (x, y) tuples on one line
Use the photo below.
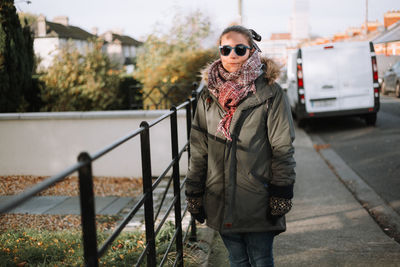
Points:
[(241, 171)]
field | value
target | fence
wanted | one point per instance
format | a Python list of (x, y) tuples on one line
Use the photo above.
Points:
[(84, 169), (159, 97)]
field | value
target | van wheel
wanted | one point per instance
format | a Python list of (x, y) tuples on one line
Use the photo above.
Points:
[(383, 88), (397, 90), (370, 119)]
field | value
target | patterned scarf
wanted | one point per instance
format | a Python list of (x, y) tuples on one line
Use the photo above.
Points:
[(231, 88)]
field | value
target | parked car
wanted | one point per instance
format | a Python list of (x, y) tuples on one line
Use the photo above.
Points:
[(337, 79), (391, 80)]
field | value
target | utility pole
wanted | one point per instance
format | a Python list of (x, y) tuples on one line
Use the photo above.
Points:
[(366, 17), (240, 13)]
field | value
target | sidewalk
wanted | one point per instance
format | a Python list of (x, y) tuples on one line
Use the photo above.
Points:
[(64, 205), (327, 226)]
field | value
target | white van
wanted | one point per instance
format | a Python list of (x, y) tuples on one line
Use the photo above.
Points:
[(334, 79)]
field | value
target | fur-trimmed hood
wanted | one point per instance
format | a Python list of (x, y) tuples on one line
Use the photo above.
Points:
[(271, 70)]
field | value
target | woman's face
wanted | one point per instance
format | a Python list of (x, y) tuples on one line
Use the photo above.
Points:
[(233, 62)]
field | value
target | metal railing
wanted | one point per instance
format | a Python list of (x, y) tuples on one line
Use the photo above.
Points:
[(84, 169)]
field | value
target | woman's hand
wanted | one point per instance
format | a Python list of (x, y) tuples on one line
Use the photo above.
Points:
[(195, 207), (279, 202), (278, 207)]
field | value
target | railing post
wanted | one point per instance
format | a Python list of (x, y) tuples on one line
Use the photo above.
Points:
[(177, 190), (194, 95), (88, 211), (147, 189), (188, 125)]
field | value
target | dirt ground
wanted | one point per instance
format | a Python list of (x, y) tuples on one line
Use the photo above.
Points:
[(103, 186)]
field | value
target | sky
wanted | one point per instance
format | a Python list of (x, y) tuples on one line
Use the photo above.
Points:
[(139, 18)]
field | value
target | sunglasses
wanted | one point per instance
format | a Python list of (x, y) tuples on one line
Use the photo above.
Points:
[(240, 49)]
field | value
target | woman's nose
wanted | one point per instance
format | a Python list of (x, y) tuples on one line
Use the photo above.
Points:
[(233, 54)]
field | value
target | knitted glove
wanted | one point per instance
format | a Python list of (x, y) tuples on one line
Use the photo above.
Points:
[(280, 201), (195, 206)]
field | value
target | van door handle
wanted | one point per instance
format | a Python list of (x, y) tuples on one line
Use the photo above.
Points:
[(326, 86)]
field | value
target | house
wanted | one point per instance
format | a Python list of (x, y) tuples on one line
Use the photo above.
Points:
[(121, 49), (388, 42), (49, 37)]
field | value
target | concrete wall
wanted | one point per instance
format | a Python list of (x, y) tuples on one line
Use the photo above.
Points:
[(47, 143)]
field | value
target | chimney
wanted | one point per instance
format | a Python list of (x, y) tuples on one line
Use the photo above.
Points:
[(61, 20), (41, 23), (95, 31), (108, 36)]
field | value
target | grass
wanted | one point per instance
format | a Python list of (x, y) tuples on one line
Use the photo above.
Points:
[(30, 247)]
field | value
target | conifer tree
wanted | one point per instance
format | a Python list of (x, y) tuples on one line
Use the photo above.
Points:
[(16, 58)]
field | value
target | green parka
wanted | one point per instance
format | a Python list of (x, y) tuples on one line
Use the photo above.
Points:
[(234, 177)]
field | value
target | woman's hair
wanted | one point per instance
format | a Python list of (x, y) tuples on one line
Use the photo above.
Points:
[(239, 29)]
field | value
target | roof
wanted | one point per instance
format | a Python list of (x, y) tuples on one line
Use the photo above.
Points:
[(61, 31), (391, 35), (126, 40), (123, 39)]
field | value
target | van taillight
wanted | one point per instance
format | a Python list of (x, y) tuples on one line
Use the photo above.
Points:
[(375, 76), (328, 47), (300, 82), (300, 76), (374, 69)]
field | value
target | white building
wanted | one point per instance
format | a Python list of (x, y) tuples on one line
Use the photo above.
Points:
[(49, 37), (299, 25), (122, 49)]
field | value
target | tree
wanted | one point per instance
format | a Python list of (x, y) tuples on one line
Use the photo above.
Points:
[(16, 59), (26, 18), (168, 62), (80, 82)]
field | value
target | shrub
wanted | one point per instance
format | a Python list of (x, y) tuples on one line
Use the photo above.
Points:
[(80, 82), (129, 94), (173, 60)]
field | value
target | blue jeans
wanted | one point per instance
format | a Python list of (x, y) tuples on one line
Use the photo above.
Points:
[(250, 249)]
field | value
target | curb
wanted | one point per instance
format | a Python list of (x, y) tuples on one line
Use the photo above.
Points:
[(387, 218)]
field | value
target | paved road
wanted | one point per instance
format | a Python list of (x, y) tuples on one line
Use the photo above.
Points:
[(372, 152)]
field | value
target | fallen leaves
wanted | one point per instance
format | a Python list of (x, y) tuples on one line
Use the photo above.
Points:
[(103, 186), (319, 147), (52, 222)]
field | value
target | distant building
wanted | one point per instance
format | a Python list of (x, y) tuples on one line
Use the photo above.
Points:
[(390, 18), (388, 42), (299, 25), (277, 46), (49, 37), (122, 49), (372, 26)]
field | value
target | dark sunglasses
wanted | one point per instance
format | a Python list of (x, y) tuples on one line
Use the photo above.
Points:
[(240, 49)]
